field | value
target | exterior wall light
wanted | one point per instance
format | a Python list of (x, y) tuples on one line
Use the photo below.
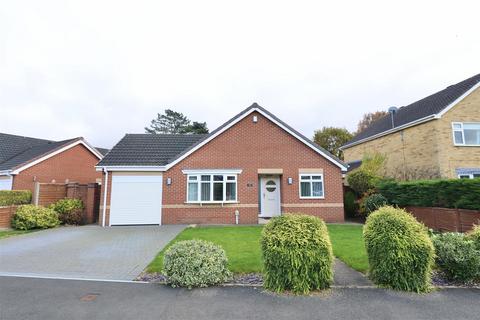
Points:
[(290, 180), (169, 181), (255, 119)]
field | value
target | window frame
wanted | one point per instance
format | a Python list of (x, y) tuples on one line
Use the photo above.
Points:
[(462, 130), (469, 175), (211, 183), (311, 185)]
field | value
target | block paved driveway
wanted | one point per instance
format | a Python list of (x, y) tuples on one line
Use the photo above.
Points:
[(88, 252)]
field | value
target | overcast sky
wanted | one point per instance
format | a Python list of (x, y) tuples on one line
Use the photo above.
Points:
[(100, 69)]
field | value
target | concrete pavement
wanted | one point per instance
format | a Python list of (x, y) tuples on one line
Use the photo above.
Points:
[(22, 298), (91, 252)]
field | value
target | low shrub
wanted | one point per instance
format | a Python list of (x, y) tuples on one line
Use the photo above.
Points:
[(457, 256), (70, 211), (474, 235), (400, 251), (447, 193), (297, 254), (349, 204), (15, 197), (372, 202), (30, 216), (361, 181), (195, 263)]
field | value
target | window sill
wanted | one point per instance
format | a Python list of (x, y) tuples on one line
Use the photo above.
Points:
[(211, 203), (311, 198), (466, 145)]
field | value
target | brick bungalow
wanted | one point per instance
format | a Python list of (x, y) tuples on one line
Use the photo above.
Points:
[(252, 167), (25, 161)]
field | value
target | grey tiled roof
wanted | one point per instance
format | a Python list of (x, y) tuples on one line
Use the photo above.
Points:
[(103, 151), (425, 107), (17, 150), (161, 149), (149, 149)]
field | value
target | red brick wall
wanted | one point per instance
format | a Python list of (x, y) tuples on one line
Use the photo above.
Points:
[(76, 164), (446, 219), (250, 146)]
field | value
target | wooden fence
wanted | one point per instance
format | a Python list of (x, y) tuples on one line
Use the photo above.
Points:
[(446, 219)]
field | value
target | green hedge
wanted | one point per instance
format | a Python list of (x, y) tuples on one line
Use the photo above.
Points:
[(15, 197), (453, 193), (400, 251), (297, 254)]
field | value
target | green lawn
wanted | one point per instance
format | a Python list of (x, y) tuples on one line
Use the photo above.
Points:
[(242, 245), (9, 233)]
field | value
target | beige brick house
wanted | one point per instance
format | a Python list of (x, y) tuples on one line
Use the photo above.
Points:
[(438, 136)]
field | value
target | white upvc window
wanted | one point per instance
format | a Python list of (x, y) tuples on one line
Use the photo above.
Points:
[(211, 188), (469, 175), (311, 186), (466, 133)]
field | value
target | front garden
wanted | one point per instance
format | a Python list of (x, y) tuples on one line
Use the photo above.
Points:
[(242, 246)]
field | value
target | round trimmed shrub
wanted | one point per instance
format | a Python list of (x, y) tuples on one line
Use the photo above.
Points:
[(34, 217), (400, 251), (70, 211), (297, 254), (195, 263), (474, 235), (457, 256), (372, 202)]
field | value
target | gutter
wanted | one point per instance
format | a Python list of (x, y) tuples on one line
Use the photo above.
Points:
[(384, 133)]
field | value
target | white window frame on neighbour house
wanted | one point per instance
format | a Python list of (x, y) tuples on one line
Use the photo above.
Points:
[(311, 178), (212, 180), (459, 128), (468, 175)]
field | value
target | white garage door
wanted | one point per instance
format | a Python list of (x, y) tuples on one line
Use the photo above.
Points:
[(136, 200), (5, 183)]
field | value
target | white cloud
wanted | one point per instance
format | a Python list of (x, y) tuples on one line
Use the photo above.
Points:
[(100, 69)]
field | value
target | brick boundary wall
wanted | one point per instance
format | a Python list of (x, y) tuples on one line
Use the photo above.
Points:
[(6, 214), (446, 219)]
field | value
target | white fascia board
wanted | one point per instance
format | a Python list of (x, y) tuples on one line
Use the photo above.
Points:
[(454, 103), (212, 171), (6, 173), (393, 130), (241, 118), (130, 168), (49, 155)]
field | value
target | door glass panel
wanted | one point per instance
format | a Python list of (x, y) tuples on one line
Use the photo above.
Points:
[(271, 186)]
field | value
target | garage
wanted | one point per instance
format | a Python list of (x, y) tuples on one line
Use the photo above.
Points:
[(136, 199), (5, 183)]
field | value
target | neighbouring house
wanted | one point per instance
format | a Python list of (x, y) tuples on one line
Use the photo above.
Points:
[(25, 161), (253, 166), (435, 137)]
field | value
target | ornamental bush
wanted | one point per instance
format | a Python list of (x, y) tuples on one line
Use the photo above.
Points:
[(195, 263), (70, 211), (15, 197), (372, 202), (34, 217), (361, 181), (400, 251), (297, 254), (446, 193), (457, 256), (474, 235)]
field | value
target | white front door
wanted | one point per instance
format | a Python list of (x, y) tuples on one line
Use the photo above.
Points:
[(269, 196), (136, 199)]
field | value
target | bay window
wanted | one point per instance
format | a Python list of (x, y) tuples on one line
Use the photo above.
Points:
[(466, 133), (211, 188), (311, 186)]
